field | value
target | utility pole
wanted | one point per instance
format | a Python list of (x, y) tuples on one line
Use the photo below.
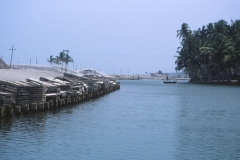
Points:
[(30, 61), (11, 55), (36, 60), (76, 67)]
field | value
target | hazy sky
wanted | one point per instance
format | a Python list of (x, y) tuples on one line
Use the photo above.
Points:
[(134, 36)]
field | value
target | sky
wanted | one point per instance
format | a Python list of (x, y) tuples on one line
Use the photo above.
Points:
[(112, 36)]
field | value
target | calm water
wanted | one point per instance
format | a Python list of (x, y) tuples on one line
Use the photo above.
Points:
[(145, 119)]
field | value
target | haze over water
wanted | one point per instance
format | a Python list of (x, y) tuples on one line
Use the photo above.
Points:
[(145, 119)]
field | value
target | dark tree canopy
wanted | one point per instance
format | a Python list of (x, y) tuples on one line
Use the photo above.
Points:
[(210, 53)]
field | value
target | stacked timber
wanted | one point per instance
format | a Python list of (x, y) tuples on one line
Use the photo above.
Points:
[(23, 93), (49, 91), (65, 87), (37, 91), (6, 99), (37, 94), (84, 83), (75, 77), (20, 91)]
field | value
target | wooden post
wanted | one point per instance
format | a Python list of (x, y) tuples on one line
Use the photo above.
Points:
[(25, 108), (50, 104), (73, 100), (9, 111), (80, 99), (46, 106), (59, 103), (2, 112), (34, 107), (69, 101), (40, 106), (17, 110), (55, 103), (66, 101), (63, 102)]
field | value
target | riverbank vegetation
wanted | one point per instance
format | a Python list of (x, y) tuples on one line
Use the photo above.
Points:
[(211, 52)]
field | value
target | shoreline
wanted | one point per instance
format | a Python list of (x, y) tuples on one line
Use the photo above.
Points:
[(224, 82)]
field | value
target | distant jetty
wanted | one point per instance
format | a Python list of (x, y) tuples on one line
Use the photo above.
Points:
[(46, 93)]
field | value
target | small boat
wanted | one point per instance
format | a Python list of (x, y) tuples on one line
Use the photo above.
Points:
[(170, 81)]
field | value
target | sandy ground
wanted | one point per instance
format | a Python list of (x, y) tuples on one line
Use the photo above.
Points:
[(18, 74)]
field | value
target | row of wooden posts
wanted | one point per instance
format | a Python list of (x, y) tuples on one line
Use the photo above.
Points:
[(52, 104)]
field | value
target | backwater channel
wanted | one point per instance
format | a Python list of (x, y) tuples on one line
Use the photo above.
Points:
[(145, 119)]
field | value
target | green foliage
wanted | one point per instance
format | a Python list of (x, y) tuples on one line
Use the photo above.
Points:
[(159, 72), (61, 59), (211, 52)]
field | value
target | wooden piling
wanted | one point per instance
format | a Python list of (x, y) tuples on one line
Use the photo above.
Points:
[(63, 102), (34, 107), (25, 108), (80, 99), (2, 112), (59, 103), (76, 99), (9, 111), (69, 101), (46, 106), (41, 107), (66, 101), (50, 104), (55, 103), (17, 110), (73, 100)]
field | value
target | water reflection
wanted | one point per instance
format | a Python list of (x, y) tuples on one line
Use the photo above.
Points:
[(143, 120), (206, 122)]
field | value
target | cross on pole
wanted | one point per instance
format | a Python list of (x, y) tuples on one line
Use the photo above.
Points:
[(11, 55)]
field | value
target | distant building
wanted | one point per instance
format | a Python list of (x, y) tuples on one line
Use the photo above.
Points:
[(3, 65), (156, 74), (93, 73)]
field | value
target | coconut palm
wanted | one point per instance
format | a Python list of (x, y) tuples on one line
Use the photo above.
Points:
[(50, 60), (67, 59), (62, 59), (211, 52)]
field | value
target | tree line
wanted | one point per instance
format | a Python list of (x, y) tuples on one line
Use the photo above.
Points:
[(211, 52), (61, 59)]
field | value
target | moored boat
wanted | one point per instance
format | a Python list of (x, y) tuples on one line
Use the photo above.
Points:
[(170, 81)]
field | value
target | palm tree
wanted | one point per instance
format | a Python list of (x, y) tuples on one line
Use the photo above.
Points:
[(62, 59), (50, 60), (184, 32), (211, 52), (56, 60), (67, 59)]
